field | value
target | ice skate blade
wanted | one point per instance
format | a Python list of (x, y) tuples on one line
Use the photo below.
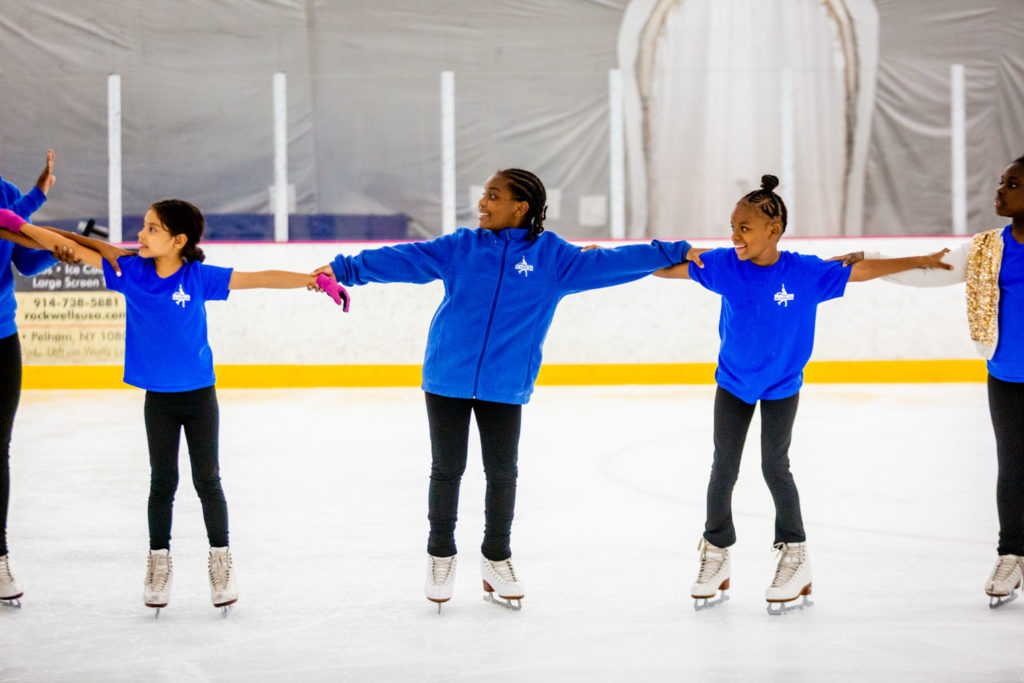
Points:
[(13, 603), (707, 603), (226, 608), (508, 602), (779, 608), (995, 601), (438, 602)]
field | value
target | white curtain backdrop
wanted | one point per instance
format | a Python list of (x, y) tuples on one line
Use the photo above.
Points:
[(715, 114)]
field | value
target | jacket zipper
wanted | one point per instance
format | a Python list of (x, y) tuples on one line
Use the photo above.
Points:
[(490, 319)]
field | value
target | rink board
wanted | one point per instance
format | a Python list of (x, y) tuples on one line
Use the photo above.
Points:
[(311, 376)]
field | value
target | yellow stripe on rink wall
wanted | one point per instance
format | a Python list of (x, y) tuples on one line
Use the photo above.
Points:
[(304, 376)]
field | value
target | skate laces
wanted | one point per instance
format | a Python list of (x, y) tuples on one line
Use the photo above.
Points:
[(5, 570), (441, 568), (1005, 567), (220, 569), (711, 560), (504, 570), (159, 571), (791, 558)]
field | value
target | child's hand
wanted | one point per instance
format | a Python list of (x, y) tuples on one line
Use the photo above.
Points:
[(848, 259), (111, 254), (935, 260), (693, 256), (326, 270), (65, 254), (590, 247), (46, 178), (11, 221), (326, 283)]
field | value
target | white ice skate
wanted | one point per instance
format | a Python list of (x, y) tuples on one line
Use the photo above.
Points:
[(159, 578), (440, 578), (792, 579), (10, 589), (223, 592), (1004, 584), (500, 577), (715, 569)]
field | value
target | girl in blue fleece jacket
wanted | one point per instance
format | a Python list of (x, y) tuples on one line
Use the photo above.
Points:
[(29, 262), (502, 283)]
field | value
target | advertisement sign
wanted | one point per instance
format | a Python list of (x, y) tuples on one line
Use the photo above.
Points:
[(67, 317)]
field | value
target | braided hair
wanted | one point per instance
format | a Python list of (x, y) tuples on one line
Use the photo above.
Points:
[(771, 204), (527, 187), (182, 218)]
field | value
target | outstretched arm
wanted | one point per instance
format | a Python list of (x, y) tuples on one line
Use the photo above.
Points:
[(272, 279), (415, 262), (67, 246), (108, 251), (921, 277), (21, 240), (284, 279), (872, 268), (56, 242), (583, 269), (681, 271)]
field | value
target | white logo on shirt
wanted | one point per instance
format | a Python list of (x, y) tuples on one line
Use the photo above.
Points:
[(783, 298), (180, 297), (524, 267)]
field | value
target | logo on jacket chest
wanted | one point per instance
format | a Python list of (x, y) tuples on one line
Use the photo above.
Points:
[(181, 297), (782, 297), (524, 268)]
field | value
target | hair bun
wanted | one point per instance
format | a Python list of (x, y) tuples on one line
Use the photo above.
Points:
[(769, 182)]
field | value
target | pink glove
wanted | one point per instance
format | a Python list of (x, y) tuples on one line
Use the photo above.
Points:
[(333, 289), (11, 220)]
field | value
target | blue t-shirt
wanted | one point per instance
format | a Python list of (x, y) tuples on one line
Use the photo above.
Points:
[(166, 348), (767, 319), (1007, 362)]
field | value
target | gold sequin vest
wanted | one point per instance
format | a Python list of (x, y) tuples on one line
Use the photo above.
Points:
[(982, 276)]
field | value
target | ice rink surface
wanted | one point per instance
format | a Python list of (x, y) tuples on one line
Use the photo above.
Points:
[(327, 496)]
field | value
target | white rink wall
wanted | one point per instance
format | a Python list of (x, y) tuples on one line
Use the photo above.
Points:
[(648, 321)]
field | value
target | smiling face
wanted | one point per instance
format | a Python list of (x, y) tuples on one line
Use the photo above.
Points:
[(498, 208), (755, 236), (156, 241), (1010, 195)]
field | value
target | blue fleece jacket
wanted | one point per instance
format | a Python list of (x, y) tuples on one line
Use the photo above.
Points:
[(500, 294), (28, 261), (22, 204)]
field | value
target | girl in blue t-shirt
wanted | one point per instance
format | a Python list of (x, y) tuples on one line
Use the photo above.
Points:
[(502, 284), (992, 263), (167, 353), (769, 302), (22, 254)]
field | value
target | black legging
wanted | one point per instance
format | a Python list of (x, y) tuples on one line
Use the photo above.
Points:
[(1006, 405), (10, 394), (732, 419), (166, 414), (498, 424)]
